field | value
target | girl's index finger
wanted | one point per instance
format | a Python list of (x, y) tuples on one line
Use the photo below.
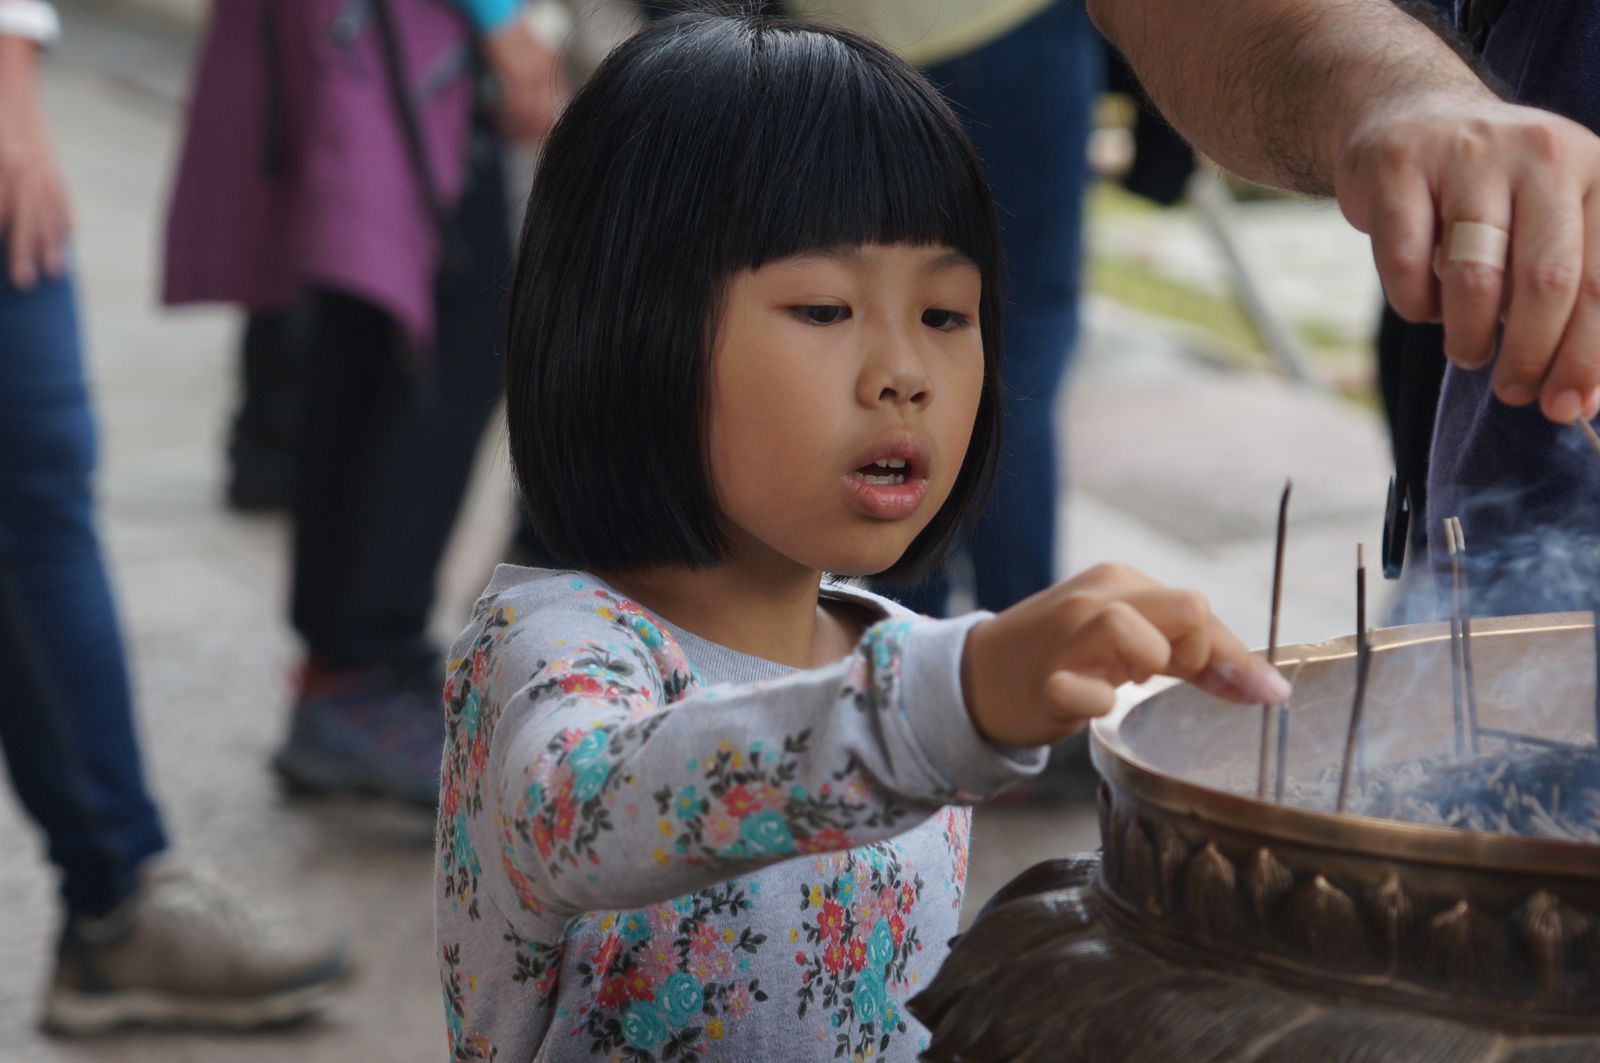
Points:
[(1234, 673), (1204, 651)]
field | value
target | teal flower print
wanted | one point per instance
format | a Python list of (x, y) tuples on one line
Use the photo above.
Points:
[(592, 746), (844, 887), (648, 633), (642, 1025), (681, 998), (880, 944), (766, 832), (683, 905), (470, 710), (634, 927), (532, 799), (869, 998), (688, 802), (589, 778), (466, 855)]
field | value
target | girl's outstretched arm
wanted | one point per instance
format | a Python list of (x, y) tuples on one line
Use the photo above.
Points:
[(584, 758)]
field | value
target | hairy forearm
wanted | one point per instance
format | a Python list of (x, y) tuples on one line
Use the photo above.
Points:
[(1272, 88)]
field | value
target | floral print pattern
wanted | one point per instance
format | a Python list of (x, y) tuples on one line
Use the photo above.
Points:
[(587, 761)]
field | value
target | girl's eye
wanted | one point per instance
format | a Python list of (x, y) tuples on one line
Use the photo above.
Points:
[(828, 314), (944, 320)]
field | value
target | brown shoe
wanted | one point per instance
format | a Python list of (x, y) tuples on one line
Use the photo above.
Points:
[(185, 951)]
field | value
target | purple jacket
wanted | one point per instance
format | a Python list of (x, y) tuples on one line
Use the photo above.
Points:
[(294, 169)]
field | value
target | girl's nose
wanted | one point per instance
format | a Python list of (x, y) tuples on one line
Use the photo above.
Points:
[(896, 374)]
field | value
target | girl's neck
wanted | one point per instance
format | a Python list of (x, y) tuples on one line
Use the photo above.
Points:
[(770, 611)]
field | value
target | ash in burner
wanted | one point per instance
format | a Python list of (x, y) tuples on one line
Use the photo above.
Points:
[(1544, 793)]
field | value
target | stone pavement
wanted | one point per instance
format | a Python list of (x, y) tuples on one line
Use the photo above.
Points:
[(1175, 467)]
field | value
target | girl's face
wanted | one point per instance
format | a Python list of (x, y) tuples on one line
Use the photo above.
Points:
[(844, 386)]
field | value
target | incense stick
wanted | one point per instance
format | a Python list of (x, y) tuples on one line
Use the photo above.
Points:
[(1272, 635), (1363, 665), (1456, 698), (1281, 768), (1588, 432), (1464, 611)]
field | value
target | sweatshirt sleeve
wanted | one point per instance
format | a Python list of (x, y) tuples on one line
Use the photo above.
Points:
[(613, 781)]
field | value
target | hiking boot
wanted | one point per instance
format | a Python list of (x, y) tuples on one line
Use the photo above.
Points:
[(366, 732), (183, 950)]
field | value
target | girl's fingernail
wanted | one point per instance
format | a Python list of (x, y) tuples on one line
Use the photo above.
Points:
[(1566, 406), (1274, 687)]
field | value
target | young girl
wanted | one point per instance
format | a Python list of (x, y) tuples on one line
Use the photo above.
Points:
[(697, 801)]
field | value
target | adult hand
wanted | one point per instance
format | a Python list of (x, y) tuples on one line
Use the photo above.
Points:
[(1408, 175), (1035, 673), (34, 218), (533, 86)]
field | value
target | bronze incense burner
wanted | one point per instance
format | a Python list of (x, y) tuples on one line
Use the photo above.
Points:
[(1217, 925)]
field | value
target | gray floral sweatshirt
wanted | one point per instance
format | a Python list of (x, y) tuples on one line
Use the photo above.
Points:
[(652, 847)]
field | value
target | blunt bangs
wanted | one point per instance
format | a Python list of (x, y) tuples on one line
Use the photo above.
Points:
[(705, 145)]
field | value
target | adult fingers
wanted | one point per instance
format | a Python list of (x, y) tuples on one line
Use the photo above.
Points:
[(1070, 697), (1573, 385), (22, 239), (1396, 209), (1470, 292), (53, 255), (1546, 264)]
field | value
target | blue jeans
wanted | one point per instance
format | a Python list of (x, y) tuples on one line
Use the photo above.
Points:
[(66, 721), (1026, 99)]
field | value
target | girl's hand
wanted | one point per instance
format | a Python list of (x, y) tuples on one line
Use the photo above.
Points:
[(34, 219), (1035, 673)]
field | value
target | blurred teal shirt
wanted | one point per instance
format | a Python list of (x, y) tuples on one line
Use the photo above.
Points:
[(490, 15)]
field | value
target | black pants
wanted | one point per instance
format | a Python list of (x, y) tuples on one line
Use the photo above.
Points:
[(386, 444)]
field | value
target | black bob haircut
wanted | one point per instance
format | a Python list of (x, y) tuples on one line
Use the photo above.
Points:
[(705, 145)]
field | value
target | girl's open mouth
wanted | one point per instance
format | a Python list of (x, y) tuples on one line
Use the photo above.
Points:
[(887, 490)]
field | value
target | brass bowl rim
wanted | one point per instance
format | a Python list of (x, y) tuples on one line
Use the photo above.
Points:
[(1125, 771)]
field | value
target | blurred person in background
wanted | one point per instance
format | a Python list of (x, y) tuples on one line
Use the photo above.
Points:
[(1023, 75), (147, 938), (346, 158)]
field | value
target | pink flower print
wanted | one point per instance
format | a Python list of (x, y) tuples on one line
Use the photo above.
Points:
[(541, 836), (721, 830), (740, 802), (565, 815), (830, 920), (703, 941), (700, 968), (578, 683), (825, 840), (736, 1002), (908, 897), (637, 984), (659, 958), (770, 796), (897, 927), (613, 995), (570, 739), (480, 666), (609, 950), (665, 917), (722, 964)]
